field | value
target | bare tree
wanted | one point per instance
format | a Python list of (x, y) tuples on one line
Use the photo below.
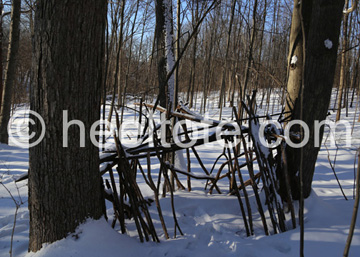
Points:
[(165, 51), (344, 44), (225, 68), (160, 50), (192, 82), (10, 75), (116, 82)]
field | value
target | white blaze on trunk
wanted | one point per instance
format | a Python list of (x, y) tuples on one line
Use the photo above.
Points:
[(328, 43), (170, 59)]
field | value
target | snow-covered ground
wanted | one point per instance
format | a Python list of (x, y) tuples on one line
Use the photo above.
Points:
[(212, 224)]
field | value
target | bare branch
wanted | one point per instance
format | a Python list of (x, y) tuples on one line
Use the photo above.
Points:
[(352, 8)]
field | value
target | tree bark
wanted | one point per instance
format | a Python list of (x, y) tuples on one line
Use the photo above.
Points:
[(64, 182), (343, 63), (195, 20), (177, 53), (116, 84), (225, 67), (10, 73), (295, 59), (160, 46), (128, 65), (118, 71), (166, 58), (1, 52), (319, 69), (251, 45)]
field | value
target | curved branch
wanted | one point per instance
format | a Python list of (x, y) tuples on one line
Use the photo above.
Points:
[(352, 8)]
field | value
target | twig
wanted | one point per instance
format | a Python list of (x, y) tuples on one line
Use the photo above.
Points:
[(17, 206), (355, 210), (13, 230)]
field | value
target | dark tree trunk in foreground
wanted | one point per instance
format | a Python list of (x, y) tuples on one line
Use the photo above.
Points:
[(10, 73), (320, 61), (64, 182)]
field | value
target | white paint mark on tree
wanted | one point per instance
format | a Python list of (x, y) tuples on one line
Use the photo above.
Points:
[(328, 43)]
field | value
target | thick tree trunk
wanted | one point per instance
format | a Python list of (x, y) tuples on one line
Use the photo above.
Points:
[(10, 72), (64, 182), (320, 61)]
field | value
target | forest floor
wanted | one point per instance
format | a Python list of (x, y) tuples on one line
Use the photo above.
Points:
[(212, 224)]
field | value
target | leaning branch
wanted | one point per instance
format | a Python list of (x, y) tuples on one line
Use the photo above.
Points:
[(352, 8)]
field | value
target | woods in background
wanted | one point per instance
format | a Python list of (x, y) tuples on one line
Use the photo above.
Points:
[(239, 44)]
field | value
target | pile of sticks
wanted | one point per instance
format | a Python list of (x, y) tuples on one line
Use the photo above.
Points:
[(129, 202)]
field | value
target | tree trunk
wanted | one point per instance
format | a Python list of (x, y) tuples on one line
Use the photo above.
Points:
[(177, 52), (1, 52), (116, 84), (128, 66), (207, 68), (343, 63), (195, 20), (64, 182), (250, 57), (225, 67), (118, 71), (165, 51), (320, 61), (160, 44), (295, 60), (10, 72)]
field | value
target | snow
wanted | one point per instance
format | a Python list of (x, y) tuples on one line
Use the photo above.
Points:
[(328, 43), (180, 162), (212, 224), (255, 127), (294, 60)]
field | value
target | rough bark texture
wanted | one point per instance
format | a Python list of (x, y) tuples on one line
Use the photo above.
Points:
[(320, 62), (160, 46), (64, 183), (10, 72)]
